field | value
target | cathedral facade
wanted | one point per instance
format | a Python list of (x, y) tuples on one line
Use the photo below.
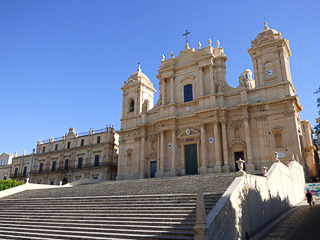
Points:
[(202, 125)]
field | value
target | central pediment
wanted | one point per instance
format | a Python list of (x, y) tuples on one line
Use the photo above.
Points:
[(185, 58)]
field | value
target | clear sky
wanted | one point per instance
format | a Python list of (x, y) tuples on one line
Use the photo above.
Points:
[(62, 62)]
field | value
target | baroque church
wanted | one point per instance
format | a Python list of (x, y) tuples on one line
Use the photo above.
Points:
[(201, 125)]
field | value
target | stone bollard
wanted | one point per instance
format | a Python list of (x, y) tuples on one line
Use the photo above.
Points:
[(60, 183), (264, 170), (27, 181), (240, 163)]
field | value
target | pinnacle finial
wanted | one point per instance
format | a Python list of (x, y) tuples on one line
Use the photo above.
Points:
[(209, 42), (265, 26), (199, 45), (162, 58), (171, 54), (139, 67), (187, 46), (218, 43)]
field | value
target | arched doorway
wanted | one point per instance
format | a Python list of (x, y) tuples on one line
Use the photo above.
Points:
[(64, 181)]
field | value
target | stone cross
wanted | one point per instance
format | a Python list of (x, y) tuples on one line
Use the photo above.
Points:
[(186, 35)]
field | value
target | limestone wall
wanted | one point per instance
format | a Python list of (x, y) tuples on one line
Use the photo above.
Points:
[(252, 201)]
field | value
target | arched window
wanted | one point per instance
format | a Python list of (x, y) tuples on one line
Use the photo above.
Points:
[(188, 96), (131, 107)]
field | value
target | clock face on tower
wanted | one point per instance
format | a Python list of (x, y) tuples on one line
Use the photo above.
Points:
[(269, 72)]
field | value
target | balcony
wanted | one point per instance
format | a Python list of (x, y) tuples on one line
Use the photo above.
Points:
[(72, 168), (19, 175)]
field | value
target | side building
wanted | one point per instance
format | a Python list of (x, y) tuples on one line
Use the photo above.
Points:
[(66, 159), (5, 165), (21, 166)]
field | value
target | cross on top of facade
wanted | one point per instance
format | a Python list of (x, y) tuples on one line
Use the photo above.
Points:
[(186, 35)]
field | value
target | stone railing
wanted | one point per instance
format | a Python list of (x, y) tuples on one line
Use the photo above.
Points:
[(251, 202), (25, 187)]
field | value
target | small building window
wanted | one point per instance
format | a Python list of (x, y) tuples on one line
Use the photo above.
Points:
[(96, 160), (188, 95), (98, 139), (131, 107), (51, 182), (66, 164), (40, 167), (16, 172), (80, 162), (5, 178), (82, 143), (68, 145), (53, 166), (25, 171), (56, 147), (43, 149)]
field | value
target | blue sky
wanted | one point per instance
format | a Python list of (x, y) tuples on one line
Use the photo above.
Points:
[(62, 62)]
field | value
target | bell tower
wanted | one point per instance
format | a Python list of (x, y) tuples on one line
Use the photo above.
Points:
[(137, 98), (270, 57)]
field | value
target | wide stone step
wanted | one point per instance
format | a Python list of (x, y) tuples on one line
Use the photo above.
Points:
[(90, 222), (127, 233), (101, 228), (99, 218)]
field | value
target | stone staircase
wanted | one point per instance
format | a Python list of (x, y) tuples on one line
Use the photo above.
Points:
[(135, 209)]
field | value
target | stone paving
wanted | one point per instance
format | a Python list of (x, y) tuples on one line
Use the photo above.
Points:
[(301, 223)]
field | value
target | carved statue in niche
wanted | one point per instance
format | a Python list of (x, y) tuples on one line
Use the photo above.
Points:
[(145, 106)]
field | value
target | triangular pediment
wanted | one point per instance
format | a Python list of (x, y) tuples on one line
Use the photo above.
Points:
[(188, 132), (186, 57)]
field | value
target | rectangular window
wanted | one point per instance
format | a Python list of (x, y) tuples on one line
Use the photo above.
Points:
[(53, 166), (16, 172), (98, 139), (96, 160), (51, 182), (68, 145), (82, 142), (41, 168), (43, 149), (5, 178), (188, 95), (80, 162), (25, 171), (56, 147), (66, 164)]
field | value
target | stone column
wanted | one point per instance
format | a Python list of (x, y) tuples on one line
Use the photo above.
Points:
[(142, 154), (161, 171), (212, 87), (163, 91), (201, 81), (203, 168), (249, 164), (217, 147), (172, 90), (226, 167), (173, 153)]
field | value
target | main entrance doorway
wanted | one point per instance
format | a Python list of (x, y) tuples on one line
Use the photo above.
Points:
[(153, 169), (237, 156), (190, 153)]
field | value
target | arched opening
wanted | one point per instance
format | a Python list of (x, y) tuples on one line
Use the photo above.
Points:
[(131, 106), (64, 181)]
